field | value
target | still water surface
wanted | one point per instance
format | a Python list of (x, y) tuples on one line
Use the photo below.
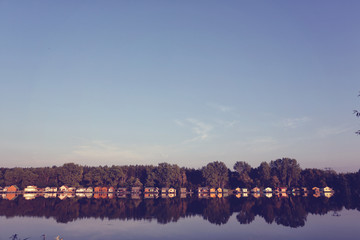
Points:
[(191, 218)]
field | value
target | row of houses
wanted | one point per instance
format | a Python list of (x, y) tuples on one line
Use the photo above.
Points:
[(103, 195), (31, 192), (205, 192), (154, 191), (97, 192)]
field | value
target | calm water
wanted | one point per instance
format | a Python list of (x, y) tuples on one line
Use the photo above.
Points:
[(190, 218)]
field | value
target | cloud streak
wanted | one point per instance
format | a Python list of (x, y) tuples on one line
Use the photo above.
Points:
[(295, 122), (200, 129), (220, 107)]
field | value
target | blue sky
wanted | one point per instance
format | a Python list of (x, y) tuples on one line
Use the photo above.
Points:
[(185, 82)]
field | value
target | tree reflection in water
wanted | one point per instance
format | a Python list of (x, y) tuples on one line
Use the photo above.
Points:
[(289, 211)]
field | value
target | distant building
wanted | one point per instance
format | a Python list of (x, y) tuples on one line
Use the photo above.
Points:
[(12, 189), (268, 190), (31, 189)]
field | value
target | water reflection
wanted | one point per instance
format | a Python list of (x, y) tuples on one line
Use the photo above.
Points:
[(291, 211)]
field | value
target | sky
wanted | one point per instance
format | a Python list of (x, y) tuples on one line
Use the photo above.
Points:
[(183, 82)]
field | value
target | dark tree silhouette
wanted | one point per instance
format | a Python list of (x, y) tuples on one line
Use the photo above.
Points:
[(357, 113)]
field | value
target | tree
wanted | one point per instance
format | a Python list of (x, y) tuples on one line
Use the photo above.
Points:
[(357, 113), (1, 178), (243, 170), (168, 175), (216, 174), (264, 172), (287, 170), (114, 176), (70, 174), (14, 176)]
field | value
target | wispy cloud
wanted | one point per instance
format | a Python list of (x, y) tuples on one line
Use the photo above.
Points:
[(331, 131), (220, 107), (226, 124), (200, 129), (179, 123), (295, 122)]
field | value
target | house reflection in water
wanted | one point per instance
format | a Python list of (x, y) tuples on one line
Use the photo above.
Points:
[(291, 211)]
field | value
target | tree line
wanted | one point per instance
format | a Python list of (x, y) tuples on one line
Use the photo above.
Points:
[(284, 172)]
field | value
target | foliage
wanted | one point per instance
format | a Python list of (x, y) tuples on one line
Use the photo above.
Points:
[(281, 172), (287, 171), (243, 170), (357, 113), (216, 174), (70, 174)]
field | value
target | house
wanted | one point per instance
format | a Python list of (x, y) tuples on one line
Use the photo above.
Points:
[(255, 190), (121, 190), (13, 189), (135, 190), (151, 190), (203, 190), (268, 190), (183, 192), (81, 190), (48, 189), (164, 190), (63, 189), (31, 189), (326, 189), (316, 190)]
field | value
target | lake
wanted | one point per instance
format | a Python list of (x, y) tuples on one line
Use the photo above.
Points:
[(181, 218)]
